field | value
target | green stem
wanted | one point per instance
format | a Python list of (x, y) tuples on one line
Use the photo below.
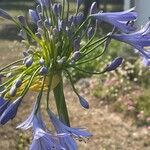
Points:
[(61, 103), (18, 61)]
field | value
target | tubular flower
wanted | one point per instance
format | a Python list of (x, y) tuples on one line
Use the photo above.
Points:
[(43, 140), (114, 64), (139, 40), (10, 111), (121, 20), (76, 133), (2, 101)]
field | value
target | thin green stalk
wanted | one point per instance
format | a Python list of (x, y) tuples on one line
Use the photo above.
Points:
[(61, 103), (40, 95), (18, 61), (94, 48), (85, 71), (49, 89)]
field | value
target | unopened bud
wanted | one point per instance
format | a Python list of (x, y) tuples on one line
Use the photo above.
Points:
[(43, 70), (13, 91), (29, 62), (22, 20), (47, 24), (83, 102), (40, 24), (41, 61), (114, 64), (18, 82)]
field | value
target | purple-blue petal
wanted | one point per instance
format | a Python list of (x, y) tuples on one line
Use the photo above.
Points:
[(34, 16), (5, 15), (4, 106), (10, 111)]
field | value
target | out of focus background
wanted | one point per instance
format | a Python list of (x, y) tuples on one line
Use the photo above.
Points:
[(119, 114)]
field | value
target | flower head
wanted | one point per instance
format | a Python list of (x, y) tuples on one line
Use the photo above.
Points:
[(10, 111), (120, 20), (139, 40), (43, 140), (76, 133)]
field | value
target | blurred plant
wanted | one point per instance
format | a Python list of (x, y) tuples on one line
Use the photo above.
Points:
[(61, 42), (125, 89)]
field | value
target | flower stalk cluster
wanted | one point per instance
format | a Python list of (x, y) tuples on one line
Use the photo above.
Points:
[(60, 42)]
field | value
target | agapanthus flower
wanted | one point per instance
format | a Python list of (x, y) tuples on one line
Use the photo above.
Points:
[(120, 20), (76, 133), (59, 44), (10, 111), (2, 101), (5, 15), (43, 140), (140, 40), (34, 15), (114, 64), (3, 105)]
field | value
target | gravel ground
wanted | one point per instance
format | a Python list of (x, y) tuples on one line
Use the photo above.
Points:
[(111, 131)]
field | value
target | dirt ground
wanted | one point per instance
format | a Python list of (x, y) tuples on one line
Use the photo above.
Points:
[(111, 131)]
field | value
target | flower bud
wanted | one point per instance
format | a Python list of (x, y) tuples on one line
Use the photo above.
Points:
[(9, 75), (47, 24), (90, 32), (25, 54), (38, 8), (43, 70), (83, 102), (76, 44), (5, 15), (40, 16), (40, 24), (38, 35), (13, 91), (10, 111), (55, 9), (40, 31), (114, 64), (62, 60), (41, 61), (79, 18), (29, 62), (23, 34), (18, 82), (22, 20), (76, 55), (93, 8), (30, 51), (34, 15)]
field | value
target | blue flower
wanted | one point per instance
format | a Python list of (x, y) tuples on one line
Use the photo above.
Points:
[(3, 105), (121, 20), (34, 16), (114, 64), (45, 2), (28, 123), (139, 40), (43, 140), (2, 101), (10, 111), (5, 15), (68, 142)]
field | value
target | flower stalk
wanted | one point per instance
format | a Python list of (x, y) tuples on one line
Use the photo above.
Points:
[(61, 103)]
